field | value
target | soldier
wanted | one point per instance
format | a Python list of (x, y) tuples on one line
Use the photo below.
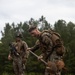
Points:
[(20, 57), (50, 44)]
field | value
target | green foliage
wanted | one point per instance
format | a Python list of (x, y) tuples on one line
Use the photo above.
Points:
[(66, 30)]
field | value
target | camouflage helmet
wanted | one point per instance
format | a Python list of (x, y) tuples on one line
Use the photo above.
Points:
[(19, 35), (31, 28)]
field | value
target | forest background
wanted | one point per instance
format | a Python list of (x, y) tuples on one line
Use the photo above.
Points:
[(35, 67)]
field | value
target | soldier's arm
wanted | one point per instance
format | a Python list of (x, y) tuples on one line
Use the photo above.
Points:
[(10, 52), (25, 46), (25, 50), (9, 56), (36, 46)]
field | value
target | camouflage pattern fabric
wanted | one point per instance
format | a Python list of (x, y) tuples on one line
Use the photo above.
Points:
[(18, 61), (45, 44)]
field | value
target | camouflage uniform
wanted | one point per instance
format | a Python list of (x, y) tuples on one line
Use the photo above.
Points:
[(45, 44), (20, 60)]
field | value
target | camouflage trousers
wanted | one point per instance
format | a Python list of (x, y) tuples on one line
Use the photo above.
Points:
[(53, 57), (18, 66)]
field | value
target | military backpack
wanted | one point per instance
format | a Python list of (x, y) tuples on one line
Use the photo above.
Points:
[(57, 42)]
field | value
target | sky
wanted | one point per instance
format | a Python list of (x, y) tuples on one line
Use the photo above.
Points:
[(22, 10)]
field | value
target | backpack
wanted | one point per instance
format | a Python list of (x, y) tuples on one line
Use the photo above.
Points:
[(57, 42)]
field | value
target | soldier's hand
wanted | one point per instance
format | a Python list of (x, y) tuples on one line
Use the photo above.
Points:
[(28, 49), (48, 68), (9, 57), (40, 57)]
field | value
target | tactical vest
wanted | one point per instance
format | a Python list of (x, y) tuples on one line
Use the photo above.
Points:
[(19, 47)]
